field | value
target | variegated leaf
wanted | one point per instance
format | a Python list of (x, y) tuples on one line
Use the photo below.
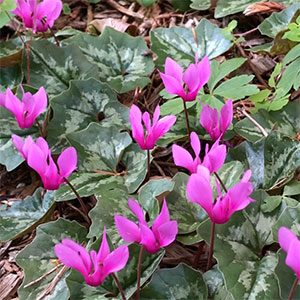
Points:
[(179, 43), (120, 58), (53, 67)]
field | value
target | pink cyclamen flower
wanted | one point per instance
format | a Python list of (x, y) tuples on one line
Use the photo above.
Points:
[(29, 109), (186, 85), (38, 16), (237, 198), (154, 132), (38, 156), (216, 126), (289, 242), (161, 234), (94, 266), (213, 160)]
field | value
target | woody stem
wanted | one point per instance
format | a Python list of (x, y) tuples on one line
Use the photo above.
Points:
[(119, 286), (211, 246), (293, 289), (139, 267), (221, 182), (40, 128), (187, 119), (79, 199)]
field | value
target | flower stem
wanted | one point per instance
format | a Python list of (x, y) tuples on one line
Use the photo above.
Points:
[(40, 128), (221, 182), (119, 286), (211, 246), (79, 199), (187, 119), (148, 164), (293, 289), (139, 267), (28, 46)]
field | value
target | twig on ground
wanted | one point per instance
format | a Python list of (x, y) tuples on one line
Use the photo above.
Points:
[(124, 10)]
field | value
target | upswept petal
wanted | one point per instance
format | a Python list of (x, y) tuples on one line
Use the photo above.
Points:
[(221, 211), (209, 120), (37, 160), (137, 210), (195, 143), (226, 116), (163, 126), (285, 237), (2, 99), (67, 162), (204, 71), (40, 98), (51, 179), (81, 251), (19, 143), (43, 145), (183, 158), (191, 78), (247, 176), (215, 158), (199, 191), (27, 146), (172, 85), (104, 248), (173, 69), (148, 239), (293, 256), (52, 9), (135, 117), (156, 114), (115, 261), (128, 230), (166, 233), (147, 122), (71, 258), (162, 218), (14, 105)]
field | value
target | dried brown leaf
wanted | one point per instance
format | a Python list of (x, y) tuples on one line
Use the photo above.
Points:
[(263, 7)]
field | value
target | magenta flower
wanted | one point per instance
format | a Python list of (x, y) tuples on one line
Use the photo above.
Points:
[(289, 242), (94, 266), (162, 233), (38, 156), (186, 85), (38, 16), (29, 109), (213, 159), (216, 126), (154, 132), (237, 198)]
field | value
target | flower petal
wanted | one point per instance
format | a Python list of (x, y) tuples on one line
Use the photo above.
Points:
[(136, 209), (191, 78), (128, 230), (195, 143), (67, 162), (173, 69), (285, 238), (167, 233), (183, 158), (293, 256), (104, 248), (226, 116), (37, 160), (215, 158), (172, 85), (135, 117), (204, 71), (162, 218), (148, 239)]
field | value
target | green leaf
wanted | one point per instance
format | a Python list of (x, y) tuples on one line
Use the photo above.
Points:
[(200, 4), (286, 277), (237, 87), (174, 106), (112, 199), (5, 7), (216, 286), (292, 188), (53, 67), (277, 22), (23, 216), (179, 283), (37, 258), (135, 160), (119, 57), (99, 147), (66, 9), (181, 6), (286, 121), (238, 246), (229, 7), (146, 3), (189, 215), (179, 44), (270, 203), (83, 103), (10, 77), (219, 71), (272, 160), (149, 192)]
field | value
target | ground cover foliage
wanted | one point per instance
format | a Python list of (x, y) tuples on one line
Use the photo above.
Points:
[(91, 82)]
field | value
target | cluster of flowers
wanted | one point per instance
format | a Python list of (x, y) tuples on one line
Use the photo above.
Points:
[(95, 266)]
